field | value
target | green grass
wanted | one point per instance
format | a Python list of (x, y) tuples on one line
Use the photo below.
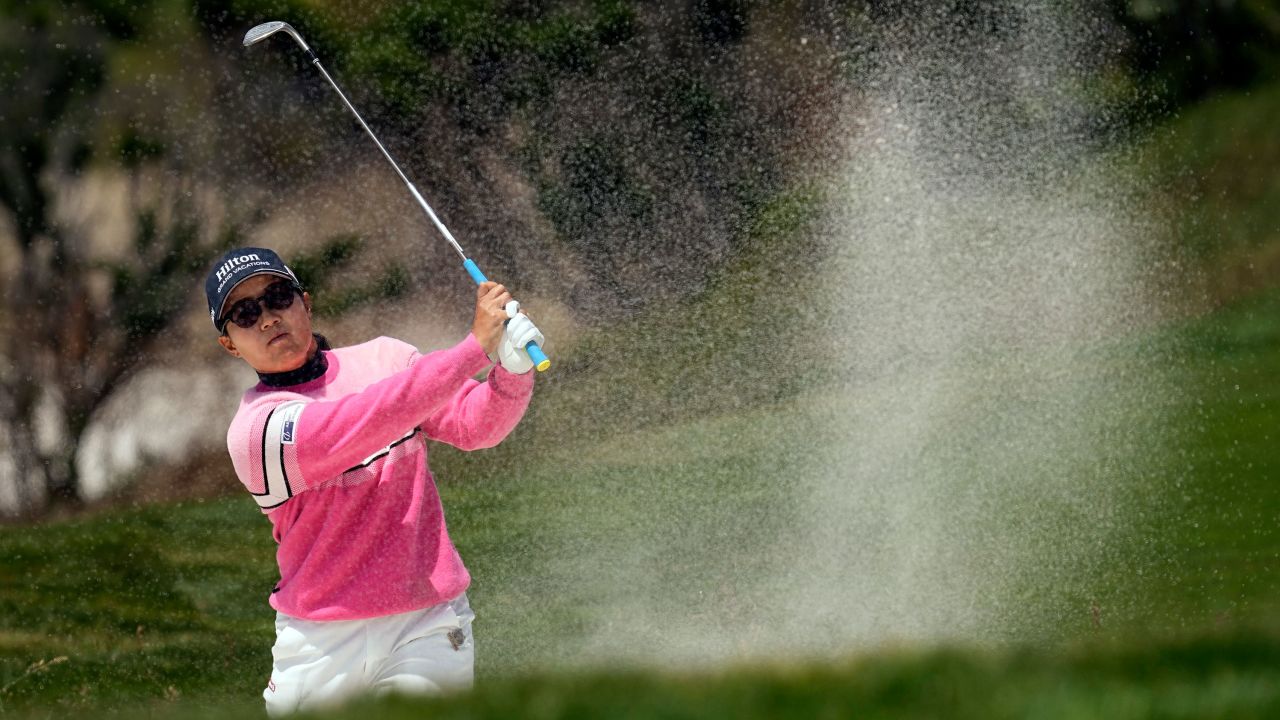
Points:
[(1213, 166), (1214, 545), (162, 610), (139, 604), (1225, 675)]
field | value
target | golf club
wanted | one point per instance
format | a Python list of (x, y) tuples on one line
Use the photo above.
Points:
[(266, 30)]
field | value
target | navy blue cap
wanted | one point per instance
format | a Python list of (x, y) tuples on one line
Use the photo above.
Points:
[(236, 266)]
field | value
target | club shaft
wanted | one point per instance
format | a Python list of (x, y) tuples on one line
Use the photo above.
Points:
[(412, 190), (265, 30)]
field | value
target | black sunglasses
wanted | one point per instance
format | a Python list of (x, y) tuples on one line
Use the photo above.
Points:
[(278, 296)]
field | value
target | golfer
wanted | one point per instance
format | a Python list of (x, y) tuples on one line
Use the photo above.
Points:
[(332, 446)]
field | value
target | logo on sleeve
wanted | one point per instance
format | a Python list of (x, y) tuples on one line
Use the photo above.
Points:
[(289, 423)]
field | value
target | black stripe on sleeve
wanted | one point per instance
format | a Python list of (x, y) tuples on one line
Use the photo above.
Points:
[(266, 484), (383, 452), (288, 491)]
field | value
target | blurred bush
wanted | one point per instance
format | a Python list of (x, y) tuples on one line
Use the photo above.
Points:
[(1183, 50)]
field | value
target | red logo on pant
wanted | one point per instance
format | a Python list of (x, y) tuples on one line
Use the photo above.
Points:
[(271, 685)]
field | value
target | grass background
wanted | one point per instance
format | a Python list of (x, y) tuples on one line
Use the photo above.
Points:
[(162, 609)]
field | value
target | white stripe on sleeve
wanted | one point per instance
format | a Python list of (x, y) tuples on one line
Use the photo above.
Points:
[(281, 430)]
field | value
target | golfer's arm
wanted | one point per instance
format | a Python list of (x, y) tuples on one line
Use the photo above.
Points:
[(481, 414), (334, 436)]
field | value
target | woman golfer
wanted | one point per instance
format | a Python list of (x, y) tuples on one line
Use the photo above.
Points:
[(332, 446)]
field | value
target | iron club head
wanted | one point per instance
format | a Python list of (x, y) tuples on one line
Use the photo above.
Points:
[(267, 29)]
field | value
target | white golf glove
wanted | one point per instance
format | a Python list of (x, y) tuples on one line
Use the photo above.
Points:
[(520, 331)]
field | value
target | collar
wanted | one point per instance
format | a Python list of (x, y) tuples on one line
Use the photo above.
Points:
[(313, 368)]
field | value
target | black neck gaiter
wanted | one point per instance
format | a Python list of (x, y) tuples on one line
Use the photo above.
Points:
[(314, 367)]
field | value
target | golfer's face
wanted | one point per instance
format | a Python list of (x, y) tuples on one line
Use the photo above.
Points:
[(279, 338)]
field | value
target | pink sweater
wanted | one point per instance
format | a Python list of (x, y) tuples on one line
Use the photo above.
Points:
[(339, 465)]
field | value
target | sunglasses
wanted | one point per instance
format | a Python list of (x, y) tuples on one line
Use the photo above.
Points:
[(278, 296)]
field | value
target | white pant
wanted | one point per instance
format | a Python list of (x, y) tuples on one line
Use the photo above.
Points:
[(320, 664)]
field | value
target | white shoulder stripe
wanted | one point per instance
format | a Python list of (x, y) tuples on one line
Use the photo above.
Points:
[(281, 430), (266, 502)]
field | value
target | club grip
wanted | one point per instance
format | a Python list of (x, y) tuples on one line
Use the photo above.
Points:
[(539, 358), (474, 271)]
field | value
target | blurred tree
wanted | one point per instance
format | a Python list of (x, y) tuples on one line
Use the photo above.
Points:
[(1184, 49), (71, 326), (65, 342), (76, 321)]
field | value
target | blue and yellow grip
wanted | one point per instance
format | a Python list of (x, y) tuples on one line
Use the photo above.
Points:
[(539, 358)]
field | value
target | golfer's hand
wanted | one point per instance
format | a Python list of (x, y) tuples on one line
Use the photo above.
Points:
[(491, 315), (520, 332)]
